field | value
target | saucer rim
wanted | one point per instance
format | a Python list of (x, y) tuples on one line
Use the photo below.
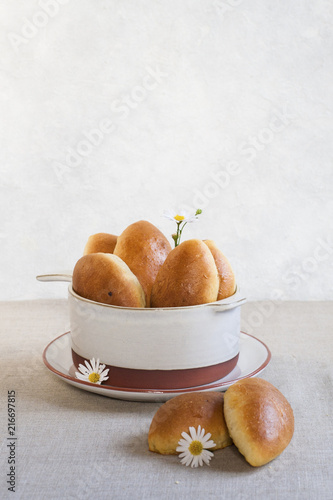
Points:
[(218, 384)]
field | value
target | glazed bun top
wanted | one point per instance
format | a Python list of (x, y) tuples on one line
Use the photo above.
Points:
[(100, 242), (227, 280), (188, 277), (184, 411), (105, 278), (259, 418), (144, 249)]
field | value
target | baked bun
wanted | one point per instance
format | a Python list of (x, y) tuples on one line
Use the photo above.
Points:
[(105, 278), (182, 412), (188, 277), (259, 418), (100, 242), (144, 249), (227, 285)]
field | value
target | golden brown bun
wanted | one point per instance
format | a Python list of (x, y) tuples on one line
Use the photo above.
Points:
[(105, 278), (100, 242), (184, 411), (259, 418), (144, 249), (226, 275), (188, 277)]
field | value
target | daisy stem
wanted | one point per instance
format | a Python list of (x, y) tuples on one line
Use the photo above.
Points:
[(180, 232)]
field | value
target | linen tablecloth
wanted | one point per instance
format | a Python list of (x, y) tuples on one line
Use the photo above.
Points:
[(75, 444)]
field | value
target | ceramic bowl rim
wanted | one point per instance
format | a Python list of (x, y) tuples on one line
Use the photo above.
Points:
[(234, 298)]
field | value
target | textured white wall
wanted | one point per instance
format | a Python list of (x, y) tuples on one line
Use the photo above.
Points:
[(113, 110)]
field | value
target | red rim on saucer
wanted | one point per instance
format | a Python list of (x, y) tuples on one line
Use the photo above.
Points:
[(221, 383)]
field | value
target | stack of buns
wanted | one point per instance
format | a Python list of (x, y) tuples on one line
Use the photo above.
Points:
[(138, 268), (252, 414)]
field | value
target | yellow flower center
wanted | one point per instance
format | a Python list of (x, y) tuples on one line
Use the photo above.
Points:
[(94, 377), (179, 218), (195, 448)]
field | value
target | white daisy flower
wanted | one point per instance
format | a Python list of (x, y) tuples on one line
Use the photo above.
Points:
[(193, 447), (92, 372), (182, 217)]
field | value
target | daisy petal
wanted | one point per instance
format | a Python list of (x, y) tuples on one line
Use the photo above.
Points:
[(88, 366), (101, 368), (186, 437), (187, 460), (206, 437), (201, 433), (184, 442), (207, 455), (209, 444), (83, 369), (169, 214), (193, 433)]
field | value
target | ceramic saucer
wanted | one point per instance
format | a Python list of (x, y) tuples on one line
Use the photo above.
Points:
[(254, 356)]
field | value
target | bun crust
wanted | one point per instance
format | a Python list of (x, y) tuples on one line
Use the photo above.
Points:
[(144, 249), (100, 242), (259, 418), (184, 411), (188, 277), (105, 278), (227, 280)]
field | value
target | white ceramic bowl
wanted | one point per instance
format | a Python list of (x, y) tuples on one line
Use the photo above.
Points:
[(164, 348), (155, 348)]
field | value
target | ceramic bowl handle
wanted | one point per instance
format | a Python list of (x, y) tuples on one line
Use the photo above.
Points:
[(65, 276), (227, 305)]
